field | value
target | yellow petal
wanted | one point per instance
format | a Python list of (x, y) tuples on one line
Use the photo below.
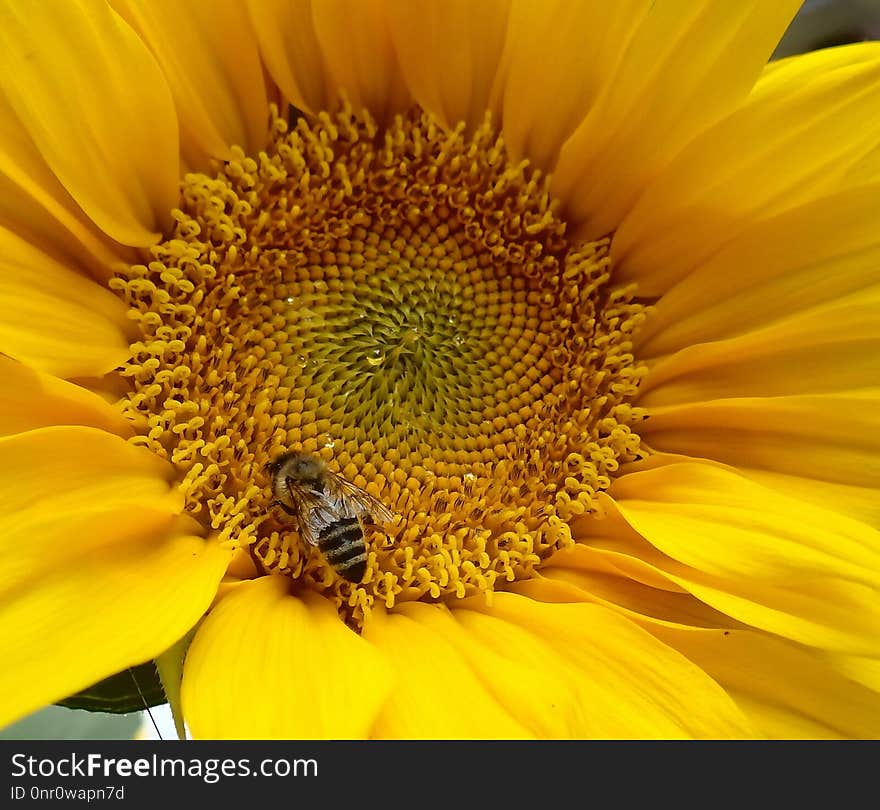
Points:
[(721, 523), (89, 572), (832, 347), (210, 59), (829, 439), (265, 664), (289, 46), (449, 51), (533, 685), (317, 52), (831, 614), (169, 667), (683, 67), (522, 667), (779, 73), (602, 575), (98, 109), (781, 149), (780, 723), (105, 610), (436, 694), (864, 670), (815, 63), (629, 684), (58, 483), (36, 206), (547, 91), (767, 560), (858, 502), (55, 319), (31, 399), (784, 689), (356, 44), (773, 269)]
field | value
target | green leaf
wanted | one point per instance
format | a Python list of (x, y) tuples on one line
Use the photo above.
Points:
[(57, 723), (132, 690)]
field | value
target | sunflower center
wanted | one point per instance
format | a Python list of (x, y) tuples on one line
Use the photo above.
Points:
[(404, 304)]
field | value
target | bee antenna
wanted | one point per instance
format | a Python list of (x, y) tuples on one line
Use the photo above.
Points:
[(144, 701)]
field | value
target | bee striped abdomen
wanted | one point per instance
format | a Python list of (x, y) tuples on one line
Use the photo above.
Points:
[(342, 544)]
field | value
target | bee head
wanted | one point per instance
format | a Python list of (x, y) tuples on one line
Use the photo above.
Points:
[(302, 467)]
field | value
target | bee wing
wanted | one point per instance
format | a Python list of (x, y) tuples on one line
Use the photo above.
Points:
[(305, 531), (360, 502), (306, 502)]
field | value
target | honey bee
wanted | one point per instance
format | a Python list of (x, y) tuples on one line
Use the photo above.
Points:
[(329, 511)]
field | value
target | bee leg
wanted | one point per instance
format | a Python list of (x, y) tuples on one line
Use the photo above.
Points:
[(285, 507), (256, 560)]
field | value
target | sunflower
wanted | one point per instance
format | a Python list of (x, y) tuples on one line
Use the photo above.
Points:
[(586, 294)]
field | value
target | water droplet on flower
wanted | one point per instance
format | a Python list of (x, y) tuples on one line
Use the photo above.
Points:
[(375, 357), (458, 340)]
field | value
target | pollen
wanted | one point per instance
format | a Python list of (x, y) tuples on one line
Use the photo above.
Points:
[(405, 304)]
